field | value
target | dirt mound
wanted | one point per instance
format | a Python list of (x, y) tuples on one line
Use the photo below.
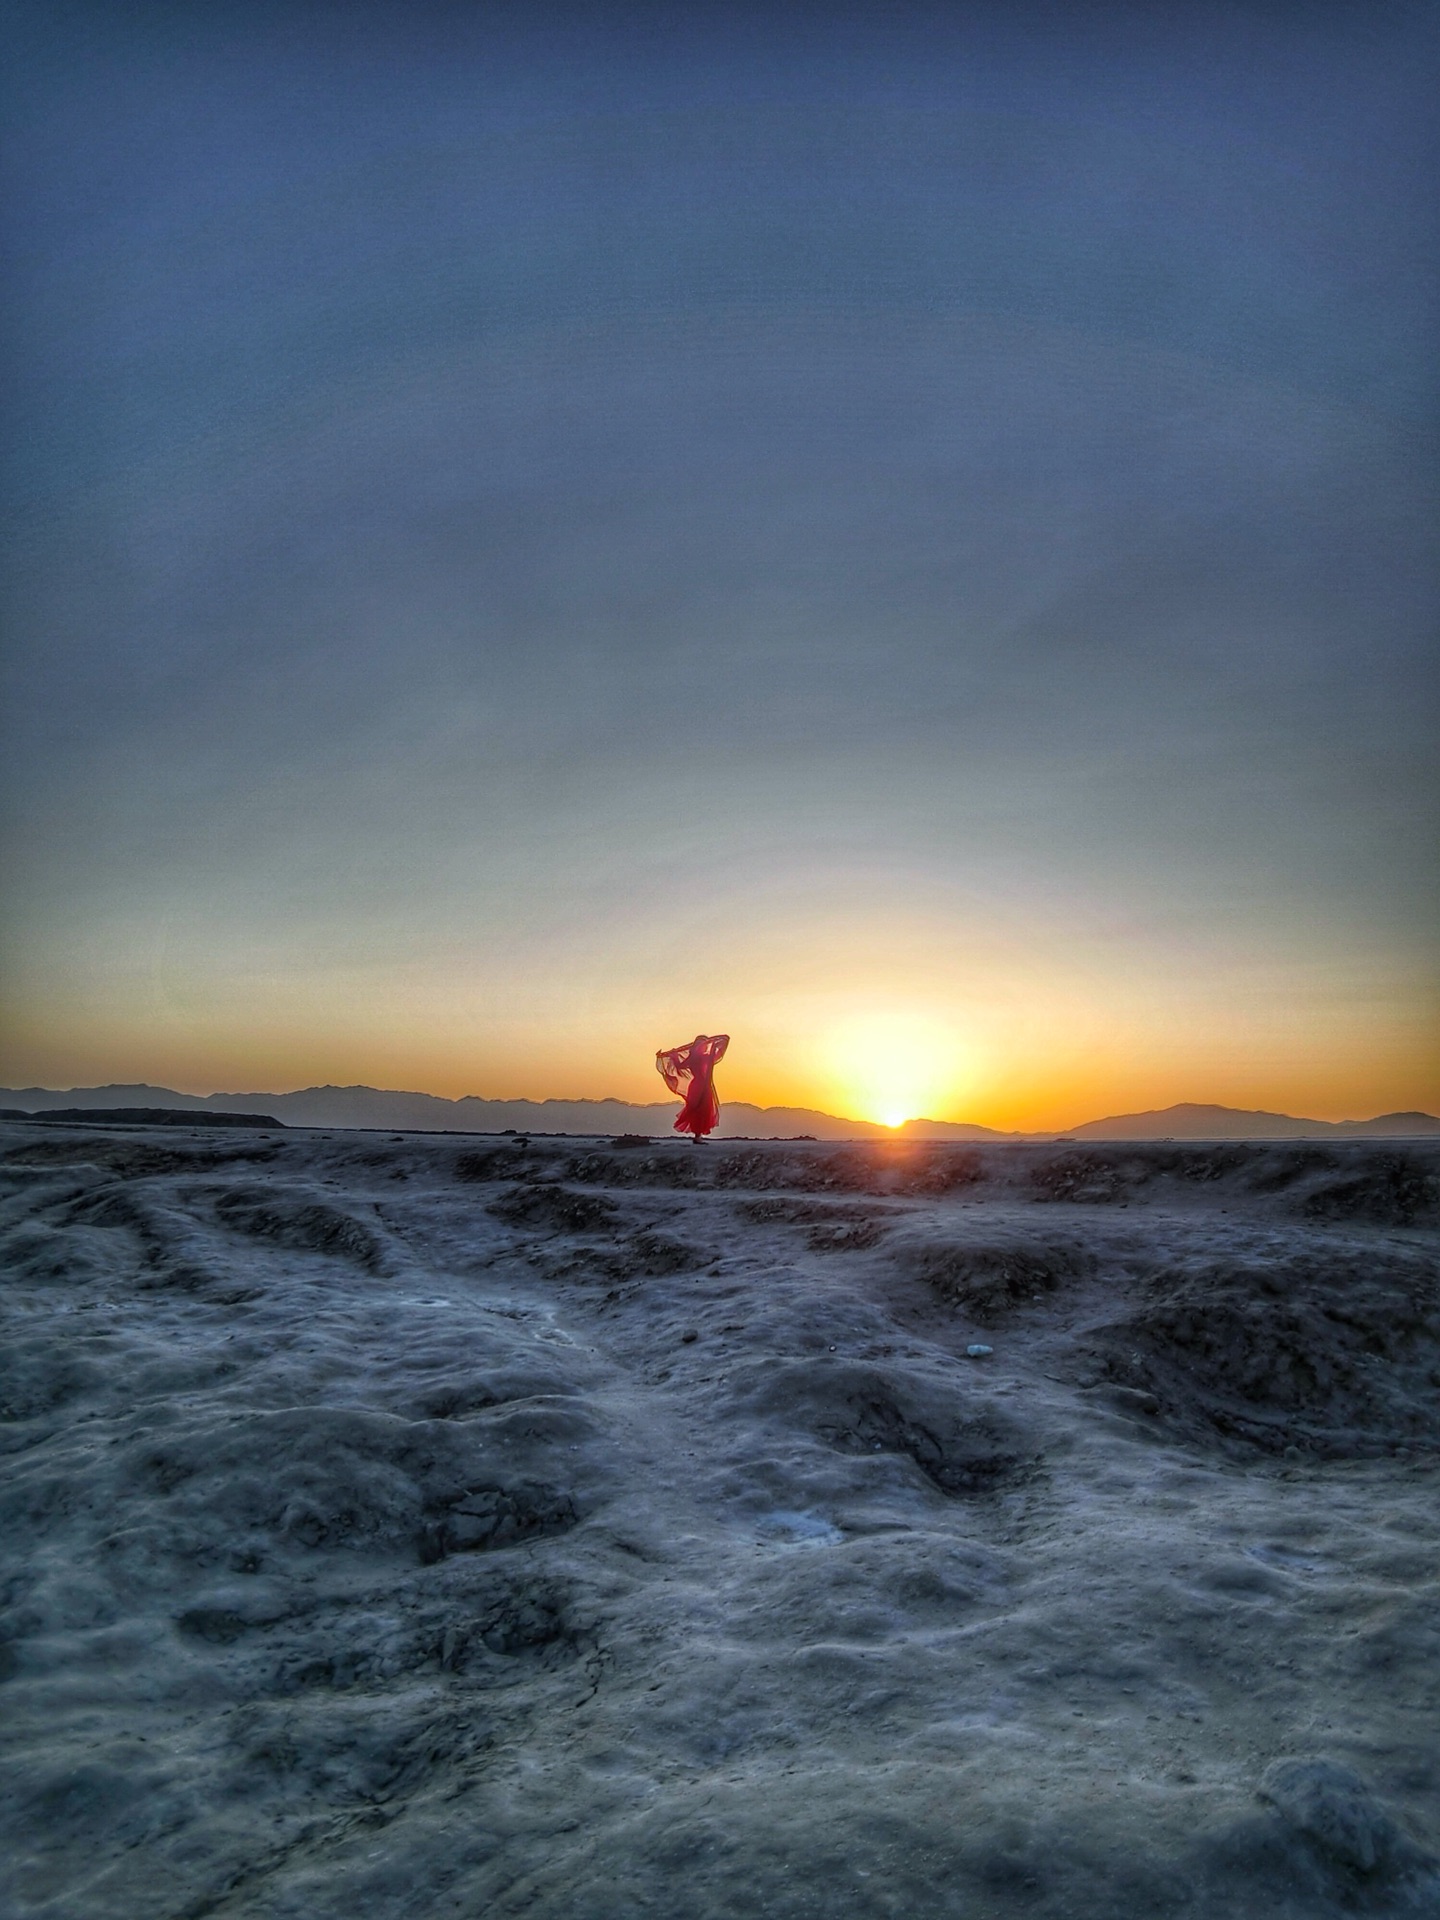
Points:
[(40, 1254), (496, 1163), (129, 1161), (524, 1620), (641, 1256), (534, 1617), (159, 1232), (115, 1208), (654, 1255), (959, 1457), (1276, 1169), (485, 1518), (831, 1226), (665, 1165), (301, 1226), (323, 1481), (553, 1209), (1096, 1178), (1333, 1351), (1336, 1811), (989, 1278), (1390, 1189), (940, 1172), (767, 1167), (1381, 1185), (863, 1410), (1198, 1165), (764, 1170)]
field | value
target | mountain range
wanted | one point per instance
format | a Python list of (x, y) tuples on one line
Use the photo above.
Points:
[(377, 1107)]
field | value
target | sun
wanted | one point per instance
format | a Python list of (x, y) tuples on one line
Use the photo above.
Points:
[(895, 1066)]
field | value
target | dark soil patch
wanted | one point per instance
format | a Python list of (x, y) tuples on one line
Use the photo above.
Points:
[(113, 1207), (456, 1402), (762, 1168), (1390, 1189), (497, 1163), (554, 1209), (301, 1226), (1203, 1164), (846, 1170), (1281, 1168), (666, 1166), (130, 1159), (487, 1518), (322, 1479), (1335, 1352), (845, 1236), (529, 1619), (990, 1278), (653, 1255), (644, 1256), (939, 1172), (128, 1211), (221, 1626), (866, 1410), (1090, 1177), (960, 1458), (831, 1226)]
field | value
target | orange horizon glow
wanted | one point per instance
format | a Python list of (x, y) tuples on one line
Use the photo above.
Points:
[(867, 1010), (1025, 1094)]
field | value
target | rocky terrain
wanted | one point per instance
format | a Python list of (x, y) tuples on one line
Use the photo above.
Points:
[(410, 1526)]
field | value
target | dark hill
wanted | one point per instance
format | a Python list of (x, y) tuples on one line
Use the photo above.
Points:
[(146, 1117)]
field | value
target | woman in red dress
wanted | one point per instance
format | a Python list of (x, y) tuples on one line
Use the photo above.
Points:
[(690, 1072)]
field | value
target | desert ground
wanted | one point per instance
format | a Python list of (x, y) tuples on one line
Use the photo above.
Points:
[(416, 1526)]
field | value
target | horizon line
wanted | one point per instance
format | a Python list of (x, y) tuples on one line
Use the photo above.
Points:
[(665, 1106)]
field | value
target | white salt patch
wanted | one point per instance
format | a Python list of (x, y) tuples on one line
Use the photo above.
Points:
[(787, 1528)]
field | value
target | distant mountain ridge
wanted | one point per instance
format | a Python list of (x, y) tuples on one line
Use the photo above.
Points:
[(378, 1107), (1190, 1122), (427, 1112)]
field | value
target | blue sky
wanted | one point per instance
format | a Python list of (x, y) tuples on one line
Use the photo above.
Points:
[(527, 532)]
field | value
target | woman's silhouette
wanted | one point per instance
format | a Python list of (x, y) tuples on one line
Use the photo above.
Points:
[(690, 1072)]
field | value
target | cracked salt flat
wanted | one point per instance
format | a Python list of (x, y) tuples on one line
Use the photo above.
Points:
[(602, 1532)]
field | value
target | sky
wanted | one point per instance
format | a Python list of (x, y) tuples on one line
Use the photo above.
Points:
[(902, 534)]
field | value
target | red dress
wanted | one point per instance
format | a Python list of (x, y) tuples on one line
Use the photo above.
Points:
[(690, 1072)]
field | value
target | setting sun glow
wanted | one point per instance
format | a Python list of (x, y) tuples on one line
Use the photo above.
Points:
[(894, 1067)]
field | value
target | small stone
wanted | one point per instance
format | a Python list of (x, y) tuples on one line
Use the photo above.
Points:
[(977, 1350)]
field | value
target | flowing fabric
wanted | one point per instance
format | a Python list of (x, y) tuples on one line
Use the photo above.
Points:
[(690, 1072)]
